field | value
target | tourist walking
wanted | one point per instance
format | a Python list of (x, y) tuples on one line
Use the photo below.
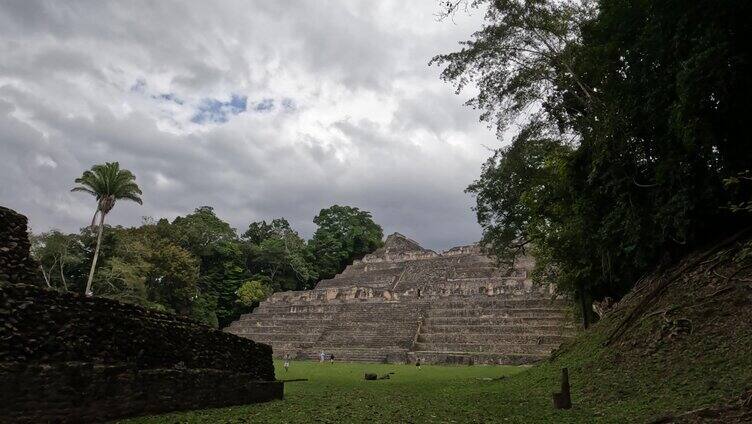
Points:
[(322, 356), (417, 363), (287, 361), (331, 359)]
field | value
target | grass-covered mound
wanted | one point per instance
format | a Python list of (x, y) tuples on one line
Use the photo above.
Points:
[(680, 342)]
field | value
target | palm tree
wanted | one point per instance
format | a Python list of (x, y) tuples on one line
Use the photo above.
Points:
[(107, 183)]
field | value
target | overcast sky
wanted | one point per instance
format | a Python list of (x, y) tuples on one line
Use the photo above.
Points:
[(260, 109)]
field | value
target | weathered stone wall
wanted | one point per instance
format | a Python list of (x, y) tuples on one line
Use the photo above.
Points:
[(16, 265), (68, 358), (50, 326), (76, 392)]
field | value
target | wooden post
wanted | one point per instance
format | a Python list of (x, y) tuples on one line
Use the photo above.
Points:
[(563, 399)]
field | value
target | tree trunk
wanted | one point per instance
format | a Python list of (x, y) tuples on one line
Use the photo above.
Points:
[(62, 276), (48, 275), (88, 291), (584, 308), (44, 274)]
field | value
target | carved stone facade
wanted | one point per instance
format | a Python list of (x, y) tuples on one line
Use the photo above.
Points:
[(404, 303)]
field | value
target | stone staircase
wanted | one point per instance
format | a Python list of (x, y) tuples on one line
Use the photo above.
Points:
[(484, 330), (371, 331), (404, 303)]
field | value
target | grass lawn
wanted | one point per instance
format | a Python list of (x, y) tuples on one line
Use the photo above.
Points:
[(337, 393), (608, 386)]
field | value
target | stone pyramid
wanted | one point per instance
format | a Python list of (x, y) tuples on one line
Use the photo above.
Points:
[(404, 303)]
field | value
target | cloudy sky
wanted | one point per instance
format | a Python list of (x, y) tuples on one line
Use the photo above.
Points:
[(260, 109)]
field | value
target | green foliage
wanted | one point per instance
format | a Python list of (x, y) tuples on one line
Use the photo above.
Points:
[(277, 252), (344, 234), (252, 292), (223, 271), (631, 117), (200, 231), (259, 231), (204, 309), (194, 266), (150, 270), (108, 184), (221, 258), (58, 255)]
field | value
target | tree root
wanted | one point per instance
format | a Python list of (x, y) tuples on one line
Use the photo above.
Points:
[(643, 305), (734, 274), (703, 301), (735, 411)]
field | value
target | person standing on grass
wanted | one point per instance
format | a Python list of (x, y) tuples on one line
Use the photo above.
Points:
[(417, 363), (287, 361), (322, 356), (331, 358)]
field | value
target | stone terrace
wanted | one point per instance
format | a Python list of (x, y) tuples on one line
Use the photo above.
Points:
[(404, 303)]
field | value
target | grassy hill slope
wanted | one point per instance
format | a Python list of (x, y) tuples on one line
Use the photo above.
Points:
[(681, 341)]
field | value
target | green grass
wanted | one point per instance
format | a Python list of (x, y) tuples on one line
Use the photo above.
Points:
[(608, 386), (337, 393)]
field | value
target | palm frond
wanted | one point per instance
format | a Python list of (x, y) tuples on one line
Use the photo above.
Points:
[(132, 197), (85, 190), (107, 179)]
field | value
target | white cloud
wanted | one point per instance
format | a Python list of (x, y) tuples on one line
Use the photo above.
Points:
[(338, 106)]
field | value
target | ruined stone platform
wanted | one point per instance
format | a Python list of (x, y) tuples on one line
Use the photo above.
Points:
[(404, 303)]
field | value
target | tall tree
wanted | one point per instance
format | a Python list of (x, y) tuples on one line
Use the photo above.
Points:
[(108, 184), (344, 234), (148, 269), (642, 105), (222, 260)]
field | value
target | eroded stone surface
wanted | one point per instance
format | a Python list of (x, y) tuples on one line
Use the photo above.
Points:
[(405, 303)]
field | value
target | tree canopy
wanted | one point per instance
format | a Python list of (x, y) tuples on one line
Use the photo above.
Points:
[(344, 234), (630, 117), (195, 265)]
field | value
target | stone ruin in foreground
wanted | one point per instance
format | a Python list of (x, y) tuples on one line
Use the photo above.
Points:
[(404, 303)]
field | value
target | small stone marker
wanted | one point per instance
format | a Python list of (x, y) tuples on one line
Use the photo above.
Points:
[(563, 399), (369, 376)]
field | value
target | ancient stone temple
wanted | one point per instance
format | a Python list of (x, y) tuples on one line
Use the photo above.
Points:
[(404, 303)]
